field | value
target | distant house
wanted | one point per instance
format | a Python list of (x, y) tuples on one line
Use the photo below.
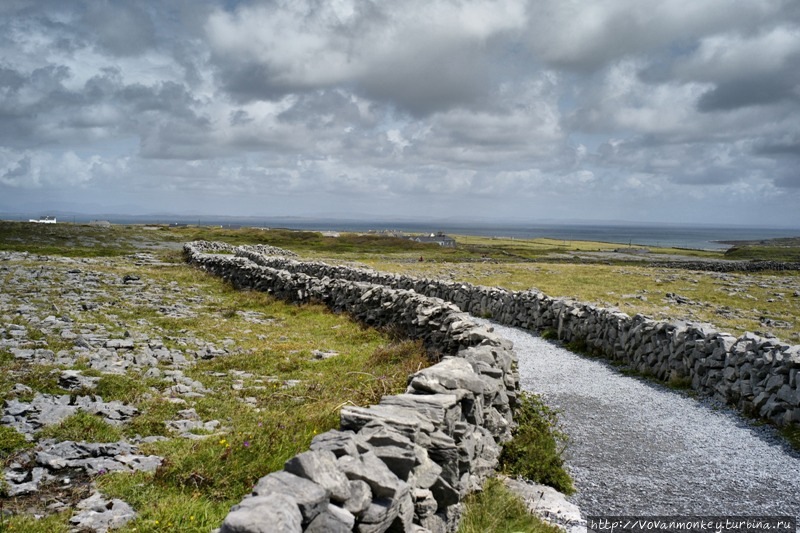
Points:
[(438, 238), (43, 220)]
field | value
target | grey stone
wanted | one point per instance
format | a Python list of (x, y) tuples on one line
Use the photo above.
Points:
[(548, 504), (449, 374), (369, 468), (320, 467), (426, 472), (399, 460), (379, 516), (310, 497), (406, 421), (19, 389), (323, 354), (98, 514), (21, 482), (360, 497), (333, 520), (75, 380), (444, 452), (120, 344), (441, 409), (338, 442), (444, 493), (424, 503), (273, 513)]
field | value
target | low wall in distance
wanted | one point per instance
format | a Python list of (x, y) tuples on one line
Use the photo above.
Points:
[(757, 375)]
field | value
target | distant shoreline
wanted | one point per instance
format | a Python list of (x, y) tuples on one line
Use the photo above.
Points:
[(650, 235)]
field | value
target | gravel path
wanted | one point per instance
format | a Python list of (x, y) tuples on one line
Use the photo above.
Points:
[(640, 449)]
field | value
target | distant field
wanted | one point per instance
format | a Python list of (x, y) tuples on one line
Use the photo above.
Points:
[(602, 273)]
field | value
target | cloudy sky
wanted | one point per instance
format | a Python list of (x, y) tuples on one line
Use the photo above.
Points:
[(640, 110)]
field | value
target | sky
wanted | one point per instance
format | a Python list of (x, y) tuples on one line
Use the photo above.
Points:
[(637, 110)]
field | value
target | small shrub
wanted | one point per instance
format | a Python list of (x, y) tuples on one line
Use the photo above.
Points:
[(535, 451), (550, 334), (680, 383), (11, 441), (579, 346), (792, 435)]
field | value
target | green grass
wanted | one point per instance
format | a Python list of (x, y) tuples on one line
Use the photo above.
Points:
[(535, 451), (200, 479), (497, 510), (789, 252), (792, 435), (11, 441), (82, 427), (68, 240), (57, 523)]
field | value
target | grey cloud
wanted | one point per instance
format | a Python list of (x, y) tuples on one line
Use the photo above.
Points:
[(18, 172), (167, 97), (426, 79), (746, 92), (10, 79), (788, 148), (247, 82), (417, 64), (407, 105), (239, 117), (119, 28), (588, 37), (789, 179)]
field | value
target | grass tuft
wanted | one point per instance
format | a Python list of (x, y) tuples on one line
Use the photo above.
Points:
[(535, 451), (792, 435), (11, 441), (497, 509), (82, 427)]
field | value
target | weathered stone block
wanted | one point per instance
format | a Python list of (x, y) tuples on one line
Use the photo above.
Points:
[(264, 514), (320, 467), (310, 498)]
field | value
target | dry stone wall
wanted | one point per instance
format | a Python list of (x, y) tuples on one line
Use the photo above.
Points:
[(731, 266), (406, 463), (757, 375)]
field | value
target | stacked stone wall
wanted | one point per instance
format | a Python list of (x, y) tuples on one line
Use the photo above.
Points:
[(406, 463), (459, 411), (757, 375)]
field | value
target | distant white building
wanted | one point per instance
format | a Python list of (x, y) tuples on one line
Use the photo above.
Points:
[(436, 238), (43, 220)]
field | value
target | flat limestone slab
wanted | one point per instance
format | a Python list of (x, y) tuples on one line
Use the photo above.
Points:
[(548, 504)]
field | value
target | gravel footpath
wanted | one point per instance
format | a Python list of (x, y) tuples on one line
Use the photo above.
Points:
[(638, 448)]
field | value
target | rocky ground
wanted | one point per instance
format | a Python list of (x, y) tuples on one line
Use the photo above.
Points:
[(63, 326)]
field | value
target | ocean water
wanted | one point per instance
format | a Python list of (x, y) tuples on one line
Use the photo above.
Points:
[(702, 238)]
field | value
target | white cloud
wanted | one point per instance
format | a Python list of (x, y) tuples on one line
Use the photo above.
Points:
[(554, 108)]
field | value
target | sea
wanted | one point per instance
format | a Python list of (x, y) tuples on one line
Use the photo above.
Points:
[(699, 237), (669, 236)]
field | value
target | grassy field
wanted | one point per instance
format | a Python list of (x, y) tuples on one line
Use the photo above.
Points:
[(269, 395), (200, 479)]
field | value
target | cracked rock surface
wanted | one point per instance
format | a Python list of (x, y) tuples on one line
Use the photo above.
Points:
[(62, 315)]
